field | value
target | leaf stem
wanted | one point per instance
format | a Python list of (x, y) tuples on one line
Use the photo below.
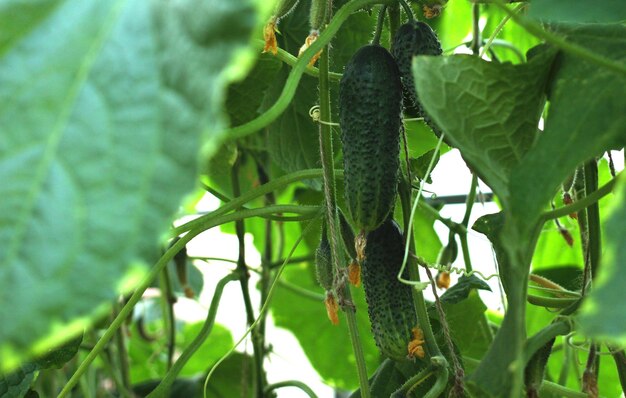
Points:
[(535, 29), (332, 217), (594, 236), (291, 60), (273, 185), (299, 67), (379, 25), (551, 302), (164, 386), (541, 338), (290, 383), (126, 311), (498, 29), (421, 311), (588, 200), (242, 270), (264, 308)]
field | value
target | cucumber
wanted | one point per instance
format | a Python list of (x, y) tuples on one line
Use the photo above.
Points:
[(413, 38), (389, 302), (370, 106)]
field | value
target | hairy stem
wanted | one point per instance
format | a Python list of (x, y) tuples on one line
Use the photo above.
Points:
[(332, 217), (583, 203)]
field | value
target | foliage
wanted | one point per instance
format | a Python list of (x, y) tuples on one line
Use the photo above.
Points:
[(114, 111)]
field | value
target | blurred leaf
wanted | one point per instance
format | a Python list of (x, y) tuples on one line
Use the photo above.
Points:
[(17, 383), (461, 290), (600, 316), (59, 356), (578, 10), (103, 106), (328, 347)]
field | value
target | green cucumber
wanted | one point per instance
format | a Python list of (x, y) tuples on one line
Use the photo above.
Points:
[(370, 106), (413, 38), (389, 301)]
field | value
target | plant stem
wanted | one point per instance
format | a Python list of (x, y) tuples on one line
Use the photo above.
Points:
[(421, 311), (440, 384), (541, 338), (154, 272), (290, 60), (332, 217), (290, 383), (242, 270), (298, 70), (271, 186), (164, 386), (270, 294), (168, 300), (497, 31), (407, 10), (588, 200), (535, 29), (551, 302), (414, 381), (394, 20), (476, 34), (122, 353), (126, 311), (594, 237), (379, 25), (560, 391)]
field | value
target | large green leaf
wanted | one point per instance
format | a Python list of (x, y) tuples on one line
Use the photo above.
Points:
[(602, 315), (489, 111), (586, 117), (102, 108), (578, 10)]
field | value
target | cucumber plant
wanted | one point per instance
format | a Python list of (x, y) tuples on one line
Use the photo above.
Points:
[(311, 112)]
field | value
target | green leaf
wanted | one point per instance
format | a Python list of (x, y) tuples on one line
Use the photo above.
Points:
[(103, 105), (585, 118), (214, 347), (461, 290), (601, 317), (465, 320), (328, 347), (419, 166), (59, 356), (489, 111), (577, 10), (245, 98), (17, 383)]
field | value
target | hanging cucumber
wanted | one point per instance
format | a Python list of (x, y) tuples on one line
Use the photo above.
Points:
[(413, 38), (370, 103), (389, 301)]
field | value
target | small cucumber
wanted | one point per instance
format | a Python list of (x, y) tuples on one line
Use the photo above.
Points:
[(389, 302), (370, 105), (413, 38)]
